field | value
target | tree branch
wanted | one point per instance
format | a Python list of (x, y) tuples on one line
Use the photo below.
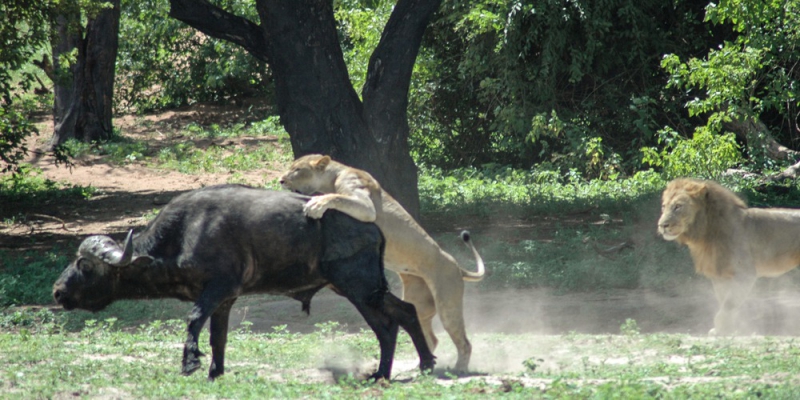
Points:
[(391, 64), (757, 135), (218, 23)]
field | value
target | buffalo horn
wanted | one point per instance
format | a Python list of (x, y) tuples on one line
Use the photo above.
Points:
[(117, 259), (107, 250)]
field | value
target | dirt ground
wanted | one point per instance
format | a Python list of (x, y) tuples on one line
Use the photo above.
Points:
[(128, 192)]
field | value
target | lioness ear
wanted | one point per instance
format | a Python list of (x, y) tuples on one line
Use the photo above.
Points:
[(321, 163)]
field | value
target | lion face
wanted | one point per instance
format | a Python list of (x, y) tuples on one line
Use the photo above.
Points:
[(305, 174), (679, 205)]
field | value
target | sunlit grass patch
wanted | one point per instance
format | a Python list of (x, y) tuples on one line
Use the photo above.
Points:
[(187, 158), (30, 187), (182, 150)]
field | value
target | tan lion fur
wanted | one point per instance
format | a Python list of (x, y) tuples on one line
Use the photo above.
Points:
[(730, 243), (432, 279)]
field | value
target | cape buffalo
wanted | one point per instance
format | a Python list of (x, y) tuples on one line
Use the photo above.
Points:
[(214, 244)]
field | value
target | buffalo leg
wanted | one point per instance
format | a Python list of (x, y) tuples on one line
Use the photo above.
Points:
[(406, 315), (386, 331), (361, 280), (208, 302), (219, 338)]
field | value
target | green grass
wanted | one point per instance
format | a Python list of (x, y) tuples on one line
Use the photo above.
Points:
[(28, 278), (29, 187), (128, 351), (101, 360)]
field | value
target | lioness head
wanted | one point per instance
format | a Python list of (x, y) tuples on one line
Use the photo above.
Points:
[(680, 202), (307, 175)]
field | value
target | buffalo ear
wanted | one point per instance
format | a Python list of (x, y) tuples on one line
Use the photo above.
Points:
[(321, 163), (142, 261), (84, 265), (87, 265)]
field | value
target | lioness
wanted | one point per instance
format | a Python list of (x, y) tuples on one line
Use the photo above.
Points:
[(432, 280), (730, 243)]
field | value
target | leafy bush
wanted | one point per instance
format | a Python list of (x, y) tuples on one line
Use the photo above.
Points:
[(493, 187), (24, 32), (705, 155), (163, 63), (521, 83), (752, 77), (14, 130)]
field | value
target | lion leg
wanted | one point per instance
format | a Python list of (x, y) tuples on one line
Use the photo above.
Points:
[(731, 294), (448, 293), (416, 292)]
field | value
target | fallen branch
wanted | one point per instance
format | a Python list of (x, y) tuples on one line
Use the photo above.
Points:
[(607, 252), (63, 223), (757, 135)]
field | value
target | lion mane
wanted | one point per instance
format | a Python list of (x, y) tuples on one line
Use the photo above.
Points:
[(713, 221)]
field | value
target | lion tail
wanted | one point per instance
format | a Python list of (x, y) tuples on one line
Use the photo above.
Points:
[(470, 276)]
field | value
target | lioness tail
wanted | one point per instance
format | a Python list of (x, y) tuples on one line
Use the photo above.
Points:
[(470, 276)]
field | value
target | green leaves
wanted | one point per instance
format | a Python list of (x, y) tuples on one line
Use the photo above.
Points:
[(752, 77), (162, 63), (705, 155), (23, 32)]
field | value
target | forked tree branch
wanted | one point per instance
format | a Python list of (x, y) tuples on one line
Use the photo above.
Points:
[(221, 24), (391, 64)]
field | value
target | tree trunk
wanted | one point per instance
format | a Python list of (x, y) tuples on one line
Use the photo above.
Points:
[(84, 87), (317, 104)]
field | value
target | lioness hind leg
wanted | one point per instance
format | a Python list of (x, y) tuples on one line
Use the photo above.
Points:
[(448, 293), (416, 292)]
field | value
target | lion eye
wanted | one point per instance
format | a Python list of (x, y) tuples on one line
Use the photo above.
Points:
[(677, 207)]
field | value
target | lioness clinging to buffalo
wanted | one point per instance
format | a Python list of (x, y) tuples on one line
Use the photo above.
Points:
[(432, 279), (730, 243)]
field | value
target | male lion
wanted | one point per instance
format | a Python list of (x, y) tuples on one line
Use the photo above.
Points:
[(730, 243), (432, 280)]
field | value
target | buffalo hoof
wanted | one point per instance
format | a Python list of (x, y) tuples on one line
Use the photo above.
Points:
[(378, 376), (427, 365), (214, 372), (190, 366)]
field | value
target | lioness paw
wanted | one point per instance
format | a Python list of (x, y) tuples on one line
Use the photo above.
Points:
[(315, 208)]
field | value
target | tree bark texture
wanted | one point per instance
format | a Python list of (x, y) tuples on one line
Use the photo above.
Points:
[(84, 87), (317, 104)]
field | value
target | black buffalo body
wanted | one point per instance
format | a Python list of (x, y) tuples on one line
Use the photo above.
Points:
[(215, 244)]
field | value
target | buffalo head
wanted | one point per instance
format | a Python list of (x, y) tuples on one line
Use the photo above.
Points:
[(88, 282)]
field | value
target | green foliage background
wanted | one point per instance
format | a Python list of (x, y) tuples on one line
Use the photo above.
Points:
[(581, 85), (163, 63)]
